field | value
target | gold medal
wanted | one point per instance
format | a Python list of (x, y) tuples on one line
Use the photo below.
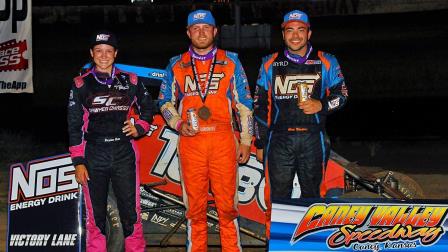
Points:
[(204, 113)]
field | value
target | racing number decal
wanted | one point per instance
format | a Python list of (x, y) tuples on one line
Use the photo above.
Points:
[(251, 182), (167, 161), (251, 179)]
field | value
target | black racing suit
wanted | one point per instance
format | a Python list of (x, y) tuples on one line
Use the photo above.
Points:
[(293, 141), (96, 115)]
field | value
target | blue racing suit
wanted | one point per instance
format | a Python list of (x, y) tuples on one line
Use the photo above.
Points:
[(295, 142)]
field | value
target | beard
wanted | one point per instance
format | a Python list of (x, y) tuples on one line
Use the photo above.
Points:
[(202, 44), (296, 48)]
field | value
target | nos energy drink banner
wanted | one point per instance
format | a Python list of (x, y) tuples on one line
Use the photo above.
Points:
[(369, 226), (43, 206)]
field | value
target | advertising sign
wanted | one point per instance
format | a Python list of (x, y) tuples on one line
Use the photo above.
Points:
[(368, 225), (16, 68), (43, 206)]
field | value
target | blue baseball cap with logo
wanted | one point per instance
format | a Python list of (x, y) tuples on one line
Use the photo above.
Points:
[(200, 17), (295, 16)]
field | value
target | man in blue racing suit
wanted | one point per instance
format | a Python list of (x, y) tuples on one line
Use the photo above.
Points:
[(290, 134)]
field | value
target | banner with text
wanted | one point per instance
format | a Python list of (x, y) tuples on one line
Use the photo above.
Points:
[(43, 205), (16, 68), (361, 225)]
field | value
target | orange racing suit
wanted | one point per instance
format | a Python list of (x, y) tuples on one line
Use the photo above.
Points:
[(209, 157)]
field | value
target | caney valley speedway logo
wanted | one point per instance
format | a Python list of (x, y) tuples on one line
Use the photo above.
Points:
[(374, 226)]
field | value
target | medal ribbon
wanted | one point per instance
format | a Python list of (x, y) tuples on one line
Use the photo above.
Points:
[(108, 80), (203, 93), (207, 56), (297, 58)]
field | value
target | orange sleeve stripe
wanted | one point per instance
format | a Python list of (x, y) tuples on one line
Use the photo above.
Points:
[(266, 68), (269, 62), (324, 60)]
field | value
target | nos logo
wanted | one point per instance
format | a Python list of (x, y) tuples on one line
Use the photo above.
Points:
[(251, 176), (287, 85), (43, 178), (190, 84)]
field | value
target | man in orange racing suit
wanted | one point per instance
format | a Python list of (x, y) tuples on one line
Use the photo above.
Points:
[(213, 83)]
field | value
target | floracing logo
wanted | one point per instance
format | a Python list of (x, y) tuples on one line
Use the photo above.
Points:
[(374, 227)]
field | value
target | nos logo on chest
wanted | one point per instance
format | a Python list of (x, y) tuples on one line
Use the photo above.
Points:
[(190, 86), (285, 86)]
